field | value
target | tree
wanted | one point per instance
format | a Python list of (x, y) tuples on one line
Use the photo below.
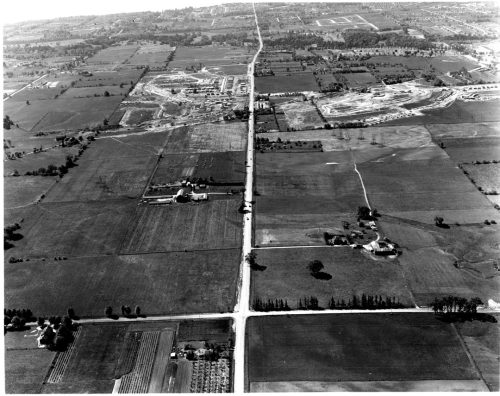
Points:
[(71, 312), (27, 102), (364, 212), (108, 311), (40, 322), (106, 93), (315, 266), (17, 323), (439, 221), (138, 310), (7, 122)]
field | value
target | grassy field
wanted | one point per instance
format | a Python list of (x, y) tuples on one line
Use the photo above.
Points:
[(364, 347), (73, 228), (209, 56), (24, 190), (299, 194), (464, 130), (430, 253), (301, 115), (62, 113), (482, 340), (208, 225), (459, 112), (419, 189), (224, 167), (359, 79), (113, 55), (296, 82), (353, 273), (169, 283), (25, 369), (473, 149), (486, 176)]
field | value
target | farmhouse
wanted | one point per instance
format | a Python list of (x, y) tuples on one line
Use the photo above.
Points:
[(380, 247), (199, 197)]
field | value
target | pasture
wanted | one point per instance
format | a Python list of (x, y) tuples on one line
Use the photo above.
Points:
[(73, 228), (114, 55), (340, 348), (191, 226), (167, 283), (353, 273), (25, 369), (464, 130), (296, 82), (209, 57), (420, 189), (485, 176)]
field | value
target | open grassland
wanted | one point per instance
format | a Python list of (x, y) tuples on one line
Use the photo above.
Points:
[(364, 347), (111, 168), (295, 189), (207, 138), (113, 55), (62, 113), (25, 369), (73, 228), (223, 167), (411, 136), (96, 91), (464, 130), (419, 190), (473, 149), (207, 225), (102, 78), (353, 273), (24, 190), (458, 112), (296, 82), (209, 56), (485, 176), (170, 283), (483, 341), (438, 262)]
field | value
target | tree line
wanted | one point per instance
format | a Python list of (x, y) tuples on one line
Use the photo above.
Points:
[(454, 304), (365, 302)]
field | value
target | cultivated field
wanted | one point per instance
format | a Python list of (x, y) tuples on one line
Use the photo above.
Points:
[(340, 348), (209, 57), (168, 283), (206, 225), (485, 176), (473, 149), (25, 369), (353, 273), (24, 190)]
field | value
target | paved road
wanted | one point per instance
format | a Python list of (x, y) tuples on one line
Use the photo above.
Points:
[(242, 306)]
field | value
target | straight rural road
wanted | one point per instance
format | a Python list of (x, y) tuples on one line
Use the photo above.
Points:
[(23, 88)]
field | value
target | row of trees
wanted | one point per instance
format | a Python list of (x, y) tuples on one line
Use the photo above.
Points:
[(10, 235), (126, 312), (367, 302), (454, 304)]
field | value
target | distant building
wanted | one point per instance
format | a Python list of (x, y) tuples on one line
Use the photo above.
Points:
[(380, 247)]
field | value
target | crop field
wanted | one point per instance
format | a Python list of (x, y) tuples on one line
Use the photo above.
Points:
[(419, 190), (223, 167), (167, 283), (296, 82), (24, 190), (340, 348), (35, 94), (482, 340), (473, 149), (208, 225), (207, 138), (353, 273), (74, 228), (486, 176), (299, 193)]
